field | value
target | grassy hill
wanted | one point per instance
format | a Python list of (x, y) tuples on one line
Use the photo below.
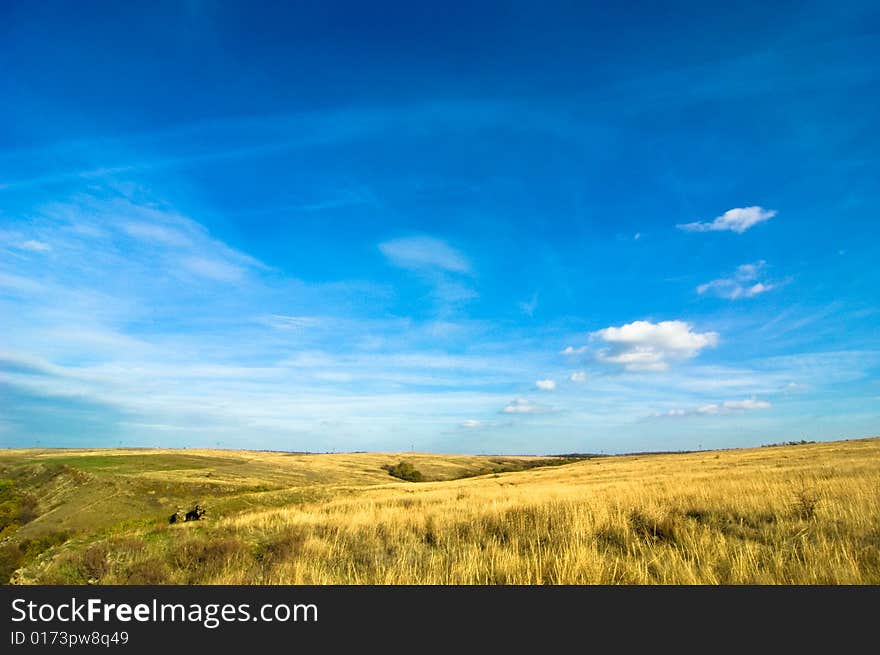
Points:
[(802, 514)]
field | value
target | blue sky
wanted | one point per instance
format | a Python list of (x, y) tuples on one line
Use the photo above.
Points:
[(517, 228)]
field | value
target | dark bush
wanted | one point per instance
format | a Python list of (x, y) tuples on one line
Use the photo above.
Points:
[(16, 507), (11, 558), (15, 555), (37, 545), (404, 471)]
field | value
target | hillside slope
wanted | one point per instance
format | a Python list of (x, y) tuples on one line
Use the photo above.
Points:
[(797, 514), (52, 496)]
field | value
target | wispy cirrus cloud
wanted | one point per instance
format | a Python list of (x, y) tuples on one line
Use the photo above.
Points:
[(721, 408), (524, 406), (215, 269), (528, 307), (145, 323), (284, 322), (207, 142), (646, 346), (108, 224), (424, 253), (156, 232), (447, 270), (743, 283), (736, 220), (35, 246)]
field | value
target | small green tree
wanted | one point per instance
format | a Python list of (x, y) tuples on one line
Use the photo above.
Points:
[(404, 471)]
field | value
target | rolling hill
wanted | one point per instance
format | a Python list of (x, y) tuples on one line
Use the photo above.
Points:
[(800, 514)]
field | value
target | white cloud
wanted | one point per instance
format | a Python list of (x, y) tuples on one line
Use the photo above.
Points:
[(546, 385), (35, 246), (729, 406), (471, 423), (528, 307), (284, 322), (215, 269), (578, 377), (736, 220), (445, 269), (760, 287), (525, 406), (636, 360), (718, 409), (646, 346), (569, 350), (149, 235), (424, 253), (521, 406), (157, 233), (742, 284), (749, 271)]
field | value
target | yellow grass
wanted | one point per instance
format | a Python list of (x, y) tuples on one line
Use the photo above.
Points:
[(807, 514)]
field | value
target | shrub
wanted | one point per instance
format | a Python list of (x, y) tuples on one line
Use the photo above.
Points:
[(404, 471), (37, 545), (11, 558), (16, 507)]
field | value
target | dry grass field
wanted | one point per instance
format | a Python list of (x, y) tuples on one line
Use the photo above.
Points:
[(795, 514)]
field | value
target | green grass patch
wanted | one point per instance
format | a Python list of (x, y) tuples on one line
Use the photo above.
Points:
[(128, 464)]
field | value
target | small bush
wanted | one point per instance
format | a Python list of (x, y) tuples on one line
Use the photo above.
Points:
[(37, 545), (404, 471), (11, 558), (16, 507)]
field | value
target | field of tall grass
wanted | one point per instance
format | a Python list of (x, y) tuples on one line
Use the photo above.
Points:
[(797, 514)]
